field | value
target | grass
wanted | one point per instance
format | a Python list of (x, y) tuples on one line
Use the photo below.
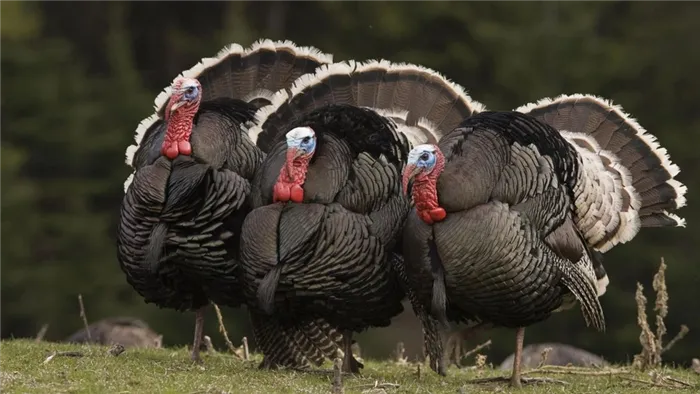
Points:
[(23, 370)]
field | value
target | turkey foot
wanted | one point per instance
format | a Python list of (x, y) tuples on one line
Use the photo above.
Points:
[(350, 365), (515, 380), (198, 331)]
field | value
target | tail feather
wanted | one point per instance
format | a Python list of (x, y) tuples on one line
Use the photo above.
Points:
[(423, 104), (621, 156), (295, 345), (252, 75), (578, 282)]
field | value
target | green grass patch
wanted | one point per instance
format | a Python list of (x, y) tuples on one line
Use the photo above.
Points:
[(23, 370)]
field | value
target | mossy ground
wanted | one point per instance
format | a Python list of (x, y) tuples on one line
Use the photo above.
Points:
[(22, 370)]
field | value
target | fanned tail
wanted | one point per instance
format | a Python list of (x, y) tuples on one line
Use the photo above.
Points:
[(250, 74), (639, 173), (423, 104)]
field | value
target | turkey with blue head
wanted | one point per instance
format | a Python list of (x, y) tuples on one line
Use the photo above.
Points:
[(513, 211), (328, 197), (184, 204)]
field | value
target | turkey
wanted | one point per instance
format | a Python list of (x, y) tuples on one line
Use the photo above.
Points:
[(328, 206), (193, 162), (513, 211)]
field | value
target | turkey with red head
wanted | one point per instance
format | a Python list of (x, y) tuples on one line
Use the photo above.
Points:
[(185, 202), (328, 199), (514, 210)]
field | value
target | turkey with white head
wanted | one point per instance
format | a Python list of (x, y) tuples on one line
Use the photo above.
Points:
[(185, 202), (328, 199), (514, 209)]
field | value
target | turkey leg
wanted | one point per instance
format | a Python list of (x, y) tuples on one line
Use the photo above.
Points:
[(517, 357), (515, 380), (350, 365), (198, 331)]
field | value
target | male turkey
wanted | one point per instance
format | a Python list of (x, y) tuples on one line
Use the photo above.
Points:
[(328, 207), (184, 205), (513, 211)]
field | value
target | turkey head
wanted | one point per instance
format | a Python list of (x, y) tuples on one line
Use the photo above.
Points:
[(425, 163), (179, 113), (301, 145)]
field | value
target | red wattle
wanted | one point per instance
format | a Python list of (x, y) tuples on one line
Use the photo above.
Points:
[(438, 214), (171, 151), (297, 193), (184, 147), (280, 192)]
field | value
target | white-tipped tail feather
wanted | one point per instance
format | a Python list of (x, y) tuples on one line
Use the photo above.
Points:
[(237, 80), (624, 184), (421, 102)]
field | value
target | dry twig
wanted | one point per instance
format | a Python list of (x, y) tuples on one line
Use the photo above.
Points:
[(399, 355), (222, 330), (652, 344), (476, 349), (246, 353), (681, 334), (543, 359), (696, 365), (338, 375), (209, 345), (42, 332), (84, 317)]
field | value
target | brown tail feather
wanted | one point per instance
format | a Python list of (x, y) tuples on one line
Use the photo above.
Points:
[(625, 176), (422, 103), (615, 131)]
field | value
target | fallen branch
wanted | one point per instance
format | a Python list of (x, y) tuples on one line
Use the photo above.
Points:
[(523, 380), (377, 385), (63, 354), (557, 369)]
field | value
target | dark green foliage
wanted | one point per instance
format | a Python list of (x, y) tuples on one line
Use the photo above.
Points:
[(76, 84)]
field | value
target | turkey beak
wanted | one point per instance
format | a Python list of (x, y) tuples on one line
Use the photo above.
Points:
[(409, 173)]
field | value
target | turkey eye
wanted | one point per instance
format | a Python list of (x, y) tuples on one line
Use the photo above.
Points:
[(306, 140), (424, 156)]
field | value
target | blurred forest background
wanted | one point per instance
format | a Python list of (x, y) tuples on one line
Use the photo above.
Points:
[(78, 77)]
